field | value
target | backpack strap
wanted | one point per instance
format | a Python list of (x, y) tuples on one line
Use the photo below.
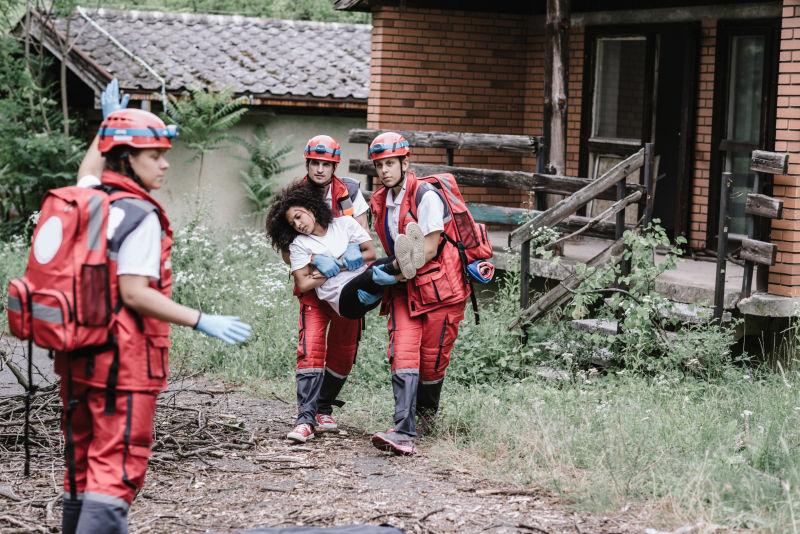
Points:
[(353, 187)]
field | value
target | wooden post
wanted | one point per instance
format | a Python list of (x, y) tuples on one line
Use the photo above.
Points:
[(722, 245), (649, 182), (555, 79), (751, 222)]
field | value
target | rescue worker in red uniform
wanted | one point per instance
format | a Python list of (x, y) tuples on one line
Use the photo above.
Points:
[(327, 343), (109, 394), (425, 311)]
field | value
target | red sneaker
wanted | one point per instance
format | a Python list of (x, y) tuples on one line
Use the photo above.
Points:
[(301, 433), (326, 423), (394, 442)]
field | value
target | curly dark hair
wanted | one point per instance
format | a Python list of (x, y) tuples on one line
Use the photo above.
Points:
[(297, 195)]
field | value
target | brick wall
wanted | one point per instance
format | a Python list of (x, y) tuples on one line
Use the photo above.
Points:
[(574, 96), (453, 71), (698, 219), (784, 276)]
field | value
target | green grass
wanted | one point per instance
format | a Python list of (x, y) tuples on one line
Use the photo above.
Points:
[(681, 449)]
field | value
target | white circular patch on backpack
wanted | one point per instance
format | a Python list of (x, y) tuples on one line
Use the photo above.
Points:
[(48, 240)]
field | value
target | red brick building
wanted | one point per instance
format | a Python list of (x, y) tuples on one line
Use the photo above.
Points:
[(707, 82)]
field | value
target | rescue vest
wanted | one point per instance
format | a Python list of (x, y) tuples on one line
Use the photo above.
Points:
[(137, 356), (440, 282), (343, 195)]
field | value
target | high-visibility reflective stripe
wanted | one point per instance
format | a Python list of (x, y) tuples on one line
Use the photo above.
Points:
[(310, 371), (14, 304), (95, 222), (48, 314)]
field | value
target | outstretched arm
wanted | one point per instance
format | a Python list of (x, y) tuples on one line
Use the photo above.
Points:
[(137, 294)]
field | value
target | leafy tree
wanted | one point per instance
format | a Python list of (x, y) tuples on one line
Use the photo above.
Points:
[(266, 162), (205, 119)]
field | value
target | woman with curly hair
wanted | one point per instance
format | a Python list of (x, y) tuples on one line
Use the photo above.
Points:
[(301, 222)]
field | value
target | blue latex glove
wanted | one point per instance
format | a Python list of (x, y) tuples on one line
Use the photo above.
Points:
[(225, 327), (367, 298), (109, 99), (326, 265), (352, 257), (381, 277)]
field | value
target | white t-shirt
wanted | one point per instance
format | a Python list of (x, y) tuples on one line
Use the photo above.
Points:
[(430, 212), (360, 205), (140, 253), (341, 232)]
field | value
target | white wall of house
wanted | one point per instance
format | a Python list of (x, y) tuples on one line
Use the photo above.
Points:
[(220, 198)]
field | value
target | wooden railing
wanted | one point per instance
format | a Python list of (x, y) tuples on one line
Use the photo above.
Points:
[(578, 191), (759, 209)]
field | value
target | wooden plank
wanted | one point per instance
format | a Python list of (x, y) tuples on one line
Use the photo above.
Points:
[(520, 144), (616, 208), (759, 252), (561, 292), (489, 214), (769, 162), (722, 244), (763, 206), (523, 181), (571, 204)]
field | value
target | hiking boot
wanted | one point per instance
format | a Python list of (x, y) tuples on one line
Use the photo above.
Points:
[(326, 423), (404, 254), (301, 433), (394, 442), (414, 233)]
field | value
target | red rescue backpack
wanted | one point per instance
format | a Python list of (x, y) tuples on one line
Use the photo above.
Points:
[(470, 237), (63, 302)]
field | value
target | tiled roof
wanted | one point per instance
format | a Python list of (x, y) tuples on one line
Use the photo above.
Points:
[(254, 56)]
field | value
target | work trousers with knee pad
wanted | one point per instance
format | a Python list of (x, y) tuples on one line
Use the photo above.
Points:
[(326, 351), (106, 455), (419, 353)]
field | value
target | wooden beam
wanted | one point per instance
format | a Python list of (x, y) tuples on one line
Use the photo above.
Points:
[(769, 162), (524, 181), (571, 204), (617, 207), (489, 214), (758, 252), (520, 144), (561, 293), (665, 15), (763, 206)]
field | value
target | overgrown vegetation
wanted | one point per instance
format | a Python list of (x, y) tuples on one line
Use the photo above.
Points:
[(321, 10), (35, 152), (682, 446)]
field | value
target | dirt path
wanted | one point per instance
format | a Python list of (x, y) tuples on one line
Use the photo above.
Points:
[(231, 469)]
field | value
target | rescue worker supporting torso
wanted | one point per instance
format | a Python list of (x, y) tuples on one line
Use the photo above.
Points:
[(327, 343), (424, 313)]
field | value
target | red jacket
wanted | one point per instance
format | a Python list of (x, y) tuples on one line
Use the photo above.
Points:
[(343, 194), (441, 281), (143, 342)]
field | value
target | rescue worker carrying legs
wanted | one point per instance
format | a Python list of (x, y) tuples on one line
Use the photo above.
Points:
[(109, 394), (424, 312), (327, 342)]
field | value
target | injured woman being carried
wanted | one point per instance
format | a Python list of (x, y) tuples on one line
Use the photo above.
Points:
[(301, 222)]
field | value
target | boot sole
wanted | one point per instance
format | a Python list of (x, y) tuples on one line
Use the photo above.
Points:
[(414, 233), (389, 446), (404, 253), (299, 439)]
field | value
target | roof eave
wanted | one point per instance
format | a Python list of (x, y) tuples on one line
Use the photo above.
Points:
[(351, 5)]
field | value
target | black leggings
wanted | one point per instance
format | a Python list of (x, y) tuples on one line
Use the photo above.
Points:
[(349, 305)]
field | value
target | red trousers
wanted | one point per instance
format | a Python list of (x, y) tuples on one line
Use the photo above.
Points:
[(425, 342), (110, 450), (326, 339)]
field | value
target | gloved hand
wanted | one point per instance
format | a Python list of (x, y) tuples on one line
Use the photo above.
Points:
[(109, 98), (381, 277), (352, 257), (225, 327), (367, 298), (326, 265)]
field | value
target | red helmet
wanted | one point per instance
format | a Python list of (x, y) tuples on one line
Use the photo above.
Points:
[(388, 145), (323, 147), (136, 128)]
